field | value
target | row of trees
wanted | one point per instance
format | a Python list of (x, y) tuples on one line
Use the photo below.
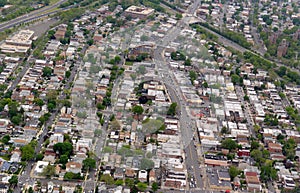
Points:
[(134, 185)]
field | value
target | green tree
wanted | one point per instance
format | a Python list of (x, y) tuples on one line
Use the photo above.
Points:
[(229, 144), (68, 74), (142, 186), (63, 159), (117, 59), (51, 106), (107, 179), (89, 163), (172, 109), (129, 182), (154, 186), (38, 102), (48, 171), (188, 62), (254, 145), (235, 79), (16, 119), (65, 148), (224, 130), (39, 157), (233, 172), (141, 70), (119, 182), (256, 154), (138, 110), (193, 76), (13, 181), (178, 16), (146, 164), (268, 172), (5, 139), (30, 190), (90, 42), (27, 152), (47, 71)]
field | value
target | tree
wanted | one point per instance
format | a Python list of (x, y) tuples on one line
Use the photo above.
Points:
[(142, 186), (89, 163), (27, 152), (172, 109), (12, 109), (138, 110), (65, 148), (5, 139), (224, 130), (256, 154), (63, 159), (47, 71), (233, 172), (30, 190), (13, 180), (119, 182), (188, 62), (141, 70), (229, 144), (268, 172), (117, 59), (178, 16), (193, 76), (154, 186), (254, 145), (129, 182), (16, 119), (146, 164), (48, 171), (39, 156), (98, 132), (38, 102), (107, 179), (68, 74), (51, 106), (90, 42), (235, 79)]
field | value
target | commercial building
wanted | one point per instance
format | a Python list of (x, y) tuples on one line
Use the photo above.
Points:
[(138, 12), (19, 43)]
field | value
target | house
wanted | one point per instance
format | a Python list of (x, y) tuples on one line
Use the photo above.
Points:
[(119, 173), (49, 155), (60, 32), (73, 167), (5, 166), (218, 178), (16, 156), (253, 182), (3, 188), (152, 176), (143, 175), (130, 173)]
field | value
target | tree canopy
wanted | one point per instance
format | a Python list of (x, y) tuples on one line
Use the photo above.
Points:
[(229, 144), (89, 163), (138, 110), (172, 109), (65, 148)]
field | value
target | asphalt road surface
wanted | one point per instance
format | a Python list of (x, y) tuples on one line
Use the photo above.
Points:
[(30, 16)]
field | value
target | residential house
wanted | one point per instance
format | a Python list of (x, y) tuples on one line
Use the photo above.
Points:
[(73, 167)]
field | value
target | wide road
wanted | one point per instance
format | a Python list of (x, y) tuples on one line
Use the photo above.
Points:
[(187, 125), (30, 16)]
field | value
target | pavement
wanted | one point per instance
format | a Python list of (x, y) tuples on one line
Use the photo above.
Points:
[(187, 125)]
